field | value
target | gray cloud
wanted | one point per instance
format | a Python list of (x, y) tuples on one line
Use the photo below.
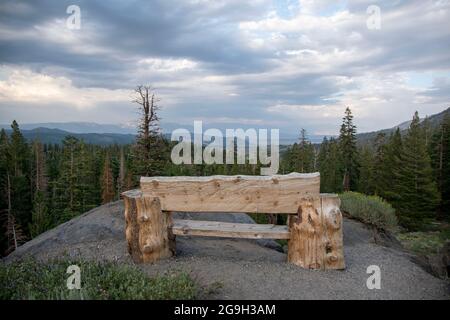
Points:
[(230, 60)]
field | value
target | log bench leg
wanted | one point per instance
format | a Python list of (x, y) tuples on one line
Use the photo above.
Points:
[(332, 221), (306, 245), (148, 228), (316, 234)]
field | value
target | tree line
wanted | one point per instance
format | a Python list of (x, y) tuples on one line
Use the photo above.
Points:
[(409, 170)]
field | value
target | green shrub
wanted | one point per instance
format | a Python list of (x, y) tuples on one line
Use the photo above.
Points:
[(430, 241), (99, 281), (371, 210), (422, 242)]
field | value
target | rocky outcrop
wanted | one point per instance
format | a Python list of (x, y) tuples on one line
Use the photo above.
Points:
[(246, 269), (437, 263), (99, 233)]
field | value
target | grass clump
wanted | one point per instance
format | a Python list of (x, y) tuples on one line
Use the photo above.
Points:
[(371, 210), (421, 242), (29, 280), (429, 241)]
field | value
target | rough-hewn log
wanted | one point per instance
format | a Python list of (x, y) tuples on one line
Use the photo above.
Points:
[(229, 230), (306, 245), (148, 229), (250, 194), (316, 234), (332, 221), (131, 225), (171, 236)]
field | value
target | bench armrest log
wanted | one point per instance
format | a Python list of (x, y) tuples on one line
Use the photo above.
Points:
[(148, 228), (316, 240)]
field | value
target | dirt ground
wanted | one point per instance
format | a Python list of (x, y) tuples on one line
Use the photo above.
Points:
[(246, 269)]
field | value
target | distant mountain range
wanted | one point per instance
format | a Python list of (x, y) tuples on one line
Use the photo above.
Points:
[(78, 127), (434, 120), (107, 134), (56, 136)]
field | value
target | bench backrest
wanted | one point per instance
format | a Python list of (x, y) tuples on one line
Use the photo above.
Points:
[(247, 194)]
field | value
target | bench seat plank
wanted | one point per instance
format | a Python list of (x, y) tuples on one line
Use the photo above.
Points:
[(226, 229), (247, 194)]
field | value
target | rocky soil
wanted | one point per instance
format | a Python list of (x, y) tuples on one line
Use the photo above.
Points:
[(247, 269)]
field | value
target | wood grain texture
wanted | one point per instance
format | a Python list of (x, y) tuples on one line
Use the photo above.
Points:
[(132, 229), (248, 194), (148, 229), (233, 230), (306, 245), (316, 235), (332, 221)]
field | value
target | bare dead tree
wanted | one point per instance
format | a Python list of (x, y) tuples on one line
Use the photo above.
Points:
[(13, 231), (147, 101), (121, 178), (107, 181), (149, 132)]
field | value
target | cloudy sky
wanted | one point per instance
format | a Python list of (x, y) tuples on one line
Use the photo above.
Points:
[(278, 64)]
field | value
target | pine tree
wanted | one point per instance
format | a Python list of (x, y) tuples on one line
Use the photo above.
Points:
[(40, 219), (300, 157), (39, 168), (19, 177), (289, 159), (440, 156), (388, 182), (427, 130), (129, 181), (12, 234), (379, 163), (67, 182), (40, 216), (121, 183), (54, 168), (417, 191), (306, 154), (4, 168), (323, 153), (366, 173), (78, 182), (349, 152), (107, 182), (330, 166), (88, 183), (19, 152), (4, 189)]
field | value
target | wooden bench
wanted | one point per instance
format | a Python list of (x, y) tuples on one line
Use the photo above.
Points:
[(314, 223)]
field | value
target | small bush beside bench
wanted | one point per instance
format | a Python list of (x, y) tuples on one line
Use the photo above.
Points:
[(371, 210)]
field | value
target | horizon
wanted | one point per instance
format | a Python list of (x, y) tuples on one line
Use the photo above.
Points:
[(166, 127), (273, 64)]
